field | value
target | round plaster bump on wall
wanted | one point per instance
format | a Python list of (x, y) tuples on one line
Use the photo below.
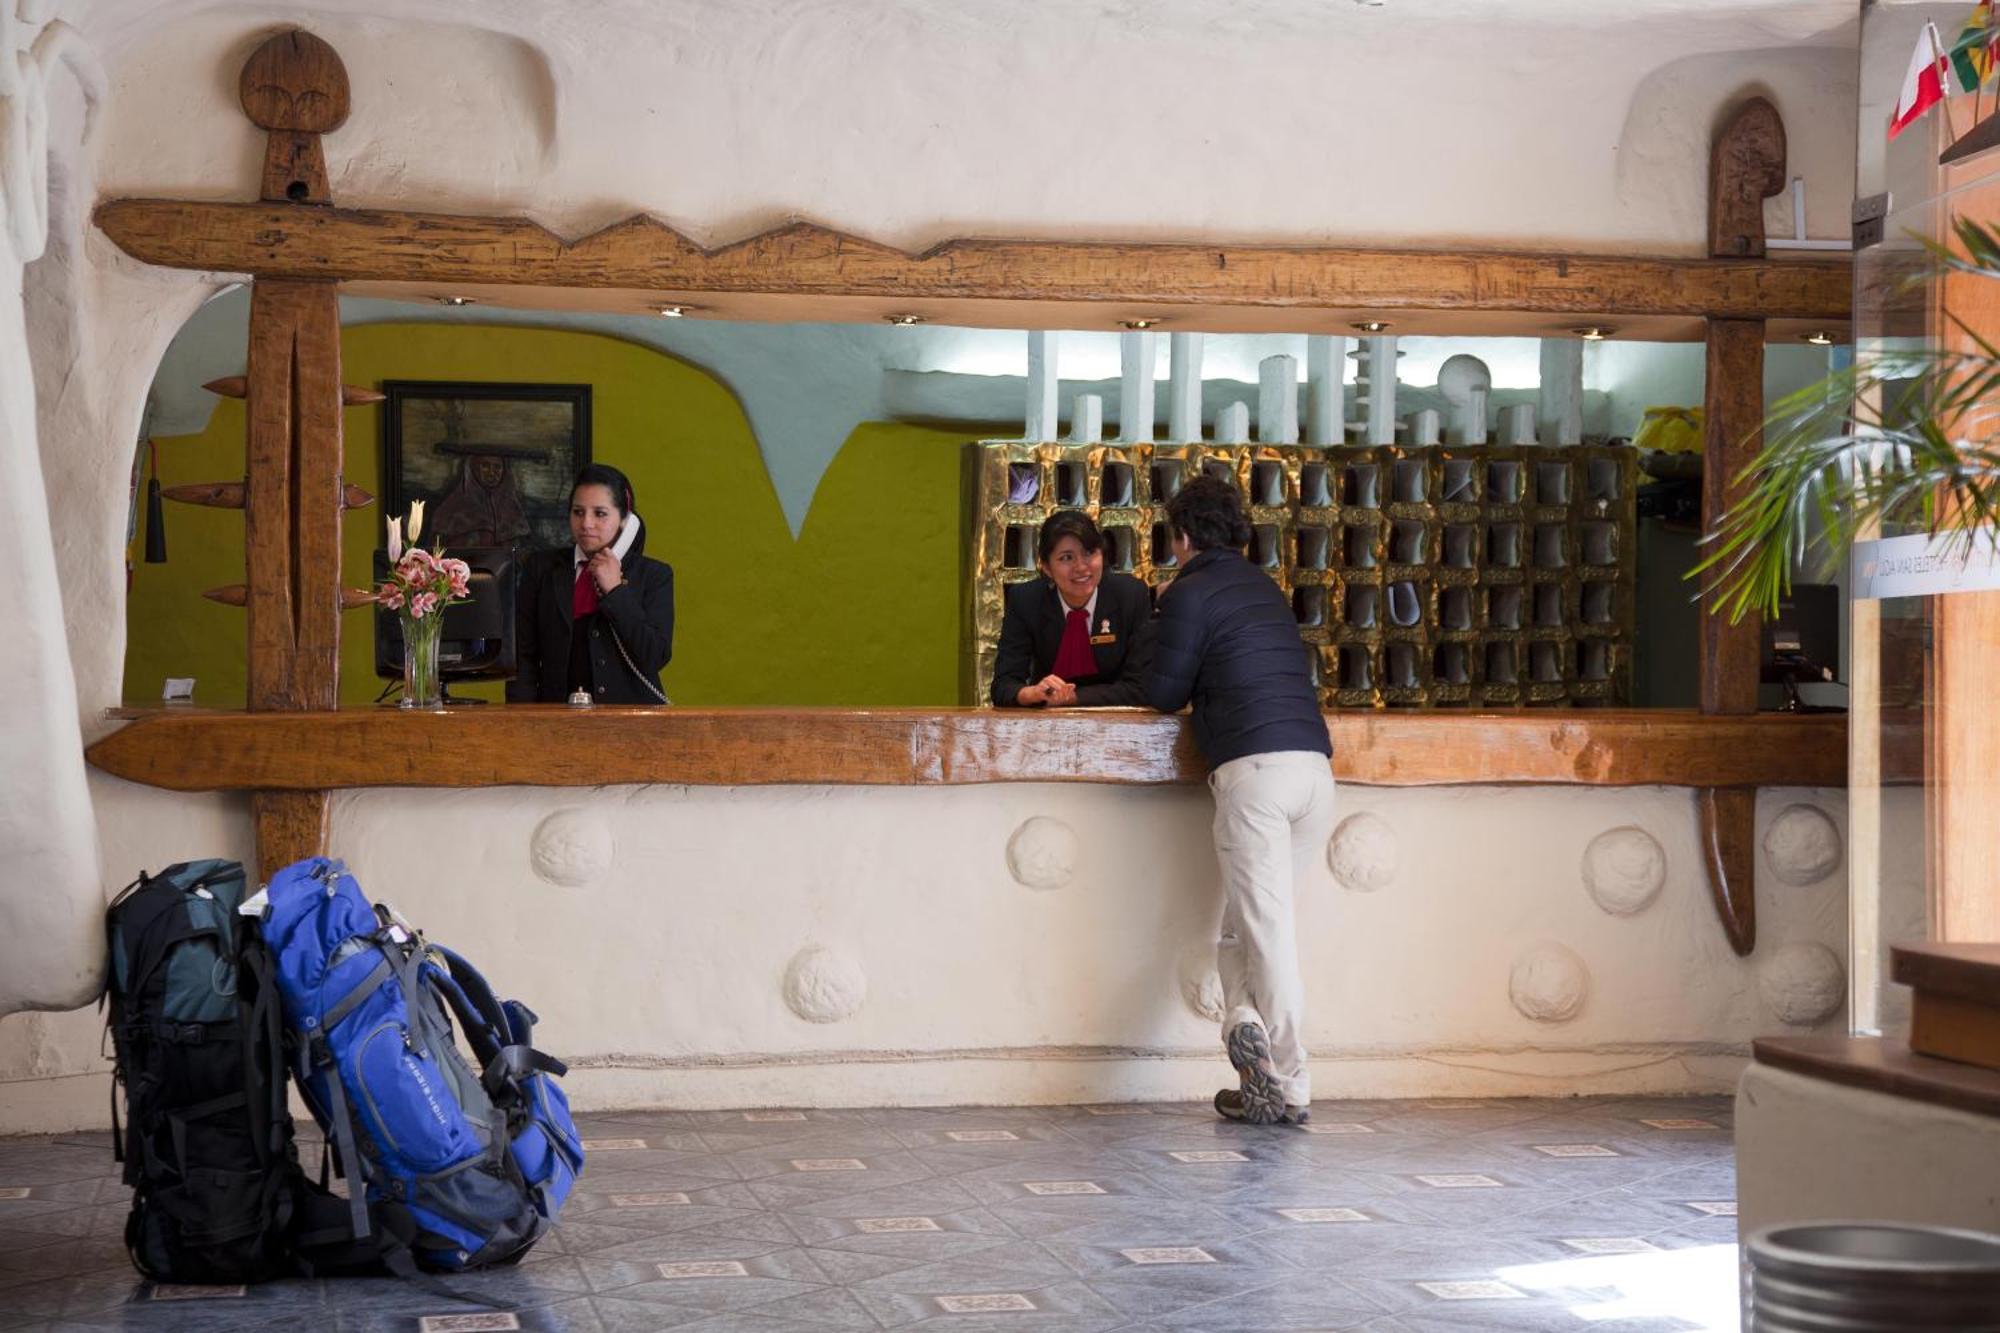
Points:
[(1803, 983), (823, 985), (1549, 983), (571, 847), (1042, 853), (1363, 852), (1623, 869), (1802, 845)]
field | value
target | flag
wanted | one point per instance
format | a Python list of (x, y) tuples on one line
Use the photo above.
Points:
[(1923, 88), (1972, 53)]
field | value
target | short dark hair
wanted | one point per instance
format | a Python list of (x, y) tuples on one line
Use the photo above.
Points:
[(1208, 511), (1069, 523), (611, 479)]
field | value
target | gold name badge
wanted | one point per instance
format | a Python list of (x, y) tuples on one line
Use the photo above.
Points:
[(1097, 639)]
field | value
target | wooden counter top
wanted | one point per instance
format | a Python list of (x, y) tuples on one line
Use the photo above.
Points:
[(554, 746)]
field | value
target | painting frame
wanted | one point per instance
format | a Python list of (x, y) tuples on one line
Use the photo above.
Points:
[(436, 434)]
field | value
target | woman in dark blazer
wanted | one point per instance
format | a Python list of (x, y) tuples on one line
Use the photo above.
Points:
[(1077, 636), (599, 616)]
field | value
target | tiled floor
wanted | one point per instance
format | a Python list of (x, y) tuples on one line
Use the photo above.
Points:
[(1605, 1214)]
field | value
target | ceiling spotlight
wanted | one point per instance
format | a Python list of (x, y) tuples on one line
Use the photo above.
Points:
[(454, 300), (1138, 323), (1370, 325), (674, 311), (1819, 338), (1593, 333), (904, 320)]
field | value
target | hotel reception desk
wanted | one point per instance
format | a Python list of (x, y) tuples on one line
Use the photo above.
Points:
[(824, 907)]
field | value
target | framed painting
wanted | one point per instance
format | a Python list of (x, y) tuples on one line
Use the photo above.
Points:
[(491, 462)]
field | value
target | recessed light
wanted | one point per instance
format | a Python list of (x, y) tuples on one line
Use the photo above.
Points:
[(1593, 333), (904, 320), (675, 311), (1370, 325), (454, 300), (1819, 338), (1138, 323)]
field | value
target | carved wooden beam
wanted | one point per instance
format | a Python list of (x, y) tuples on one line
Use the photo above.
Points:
[(553, 746), (352, 245), (230, 494), (1746, 165), (295, 87)]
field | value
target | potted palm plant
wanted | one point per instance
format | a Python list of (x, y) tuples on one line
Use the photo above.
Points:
[(1903, 438)]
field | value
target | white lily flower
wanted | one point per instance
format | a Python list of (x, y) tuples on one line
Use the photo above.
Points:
[(416, 520), (395, 540)]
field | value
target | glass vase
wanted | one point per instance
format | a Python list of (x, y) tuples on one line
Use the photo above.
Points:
[(422, 686)]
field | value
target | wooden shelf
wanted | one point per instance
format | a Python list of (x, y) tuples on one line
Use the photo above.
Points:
[(1880, 1065), (553, 746)]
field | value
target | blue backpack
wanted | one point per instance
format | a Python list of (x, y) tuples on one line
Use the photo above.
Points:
[(471, 1160)]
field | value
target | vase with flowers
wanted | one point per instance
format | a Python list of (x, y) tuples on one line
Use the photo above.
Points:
[(421, 584)]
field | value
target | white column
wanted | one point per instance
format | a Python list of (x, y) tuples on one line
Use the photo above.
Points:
[(1424, 426), (1184, 388), (1086, 419), (1042, 384), (1475, 416), (1326, 359), (1137, 356), (1517, 424), (1278, 400), (1381, 389), (1232, 423), (1561, 413)]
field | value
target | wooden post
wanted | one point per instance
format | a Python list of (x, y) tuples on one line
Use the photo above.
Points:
[(1746, 164), (295, 88)]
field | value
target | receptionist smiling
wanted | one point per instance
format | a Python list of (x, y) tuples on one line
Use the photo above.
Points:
[(1077, 636)]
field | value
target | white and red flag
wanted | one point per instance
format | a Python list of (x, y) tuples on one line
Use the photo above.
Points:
[(1923, 85)]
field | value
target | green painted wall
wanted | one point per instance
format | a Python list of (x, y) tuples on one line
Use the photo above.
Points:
[(862, 610)]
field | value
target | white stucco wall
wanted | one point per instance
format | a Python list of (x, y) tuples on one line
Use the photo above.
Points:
[(906, 122)]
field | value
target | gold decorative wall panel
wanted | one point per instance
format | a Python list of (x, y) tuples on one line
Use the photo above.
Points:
[(1430, 577)]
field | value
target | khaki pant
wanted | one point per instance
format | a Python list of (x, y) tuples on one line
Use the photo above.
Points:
[(1273, 814)]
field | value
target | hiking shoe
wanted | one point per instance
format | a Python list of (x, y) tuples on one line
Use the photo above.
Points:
[(1250, 1051), (1231, 1104)]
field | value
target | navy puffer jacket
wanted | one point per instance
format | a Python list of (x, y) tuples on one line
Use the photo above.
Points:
[(1227, 640)]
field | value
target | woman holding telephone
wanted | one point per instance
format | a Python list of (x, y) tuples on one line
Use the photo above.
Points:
[(598, 617)]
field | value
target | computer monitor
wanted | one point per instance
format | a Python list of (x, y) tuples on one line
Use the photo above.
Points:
[(1802, 642), (477, 642)]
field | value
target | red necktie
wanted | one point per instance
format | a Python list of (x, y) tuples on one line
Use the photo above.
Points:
[(584, 600), (1074, 658)]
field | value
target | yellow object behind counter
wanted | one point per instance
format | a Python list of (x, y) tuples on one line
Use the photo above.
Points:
[(862, 609), (1672, 430)]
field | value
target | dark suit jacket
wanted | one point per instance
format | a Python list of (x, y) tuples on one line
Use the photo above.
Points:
[(640, 611), (1031, 631), (1228, 640)]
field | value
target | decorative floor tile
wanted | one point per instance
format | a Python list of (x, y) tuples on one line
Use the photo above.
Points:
[(772, 1117), (1717, 1208), (14, 1192), (613, 1145), (828, 1164), (1576, 1150), (1336, 1127), (1209, 1155), (704, 1268), (1062, 1187), (879, 1225), (1474, 1291), (1611, 1245), (1462, 1181), (1680, 1124), (1324, 1214), (1169, 1254), (189, 1291), (985, 1303), (497, 1322), (662, 1199), (983, 1136)]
